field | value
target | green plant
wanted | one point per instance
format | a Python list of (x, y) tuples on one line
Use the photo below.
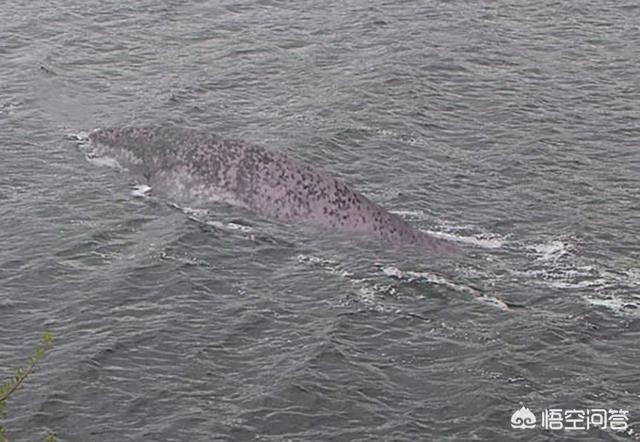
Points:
[(9, 388)]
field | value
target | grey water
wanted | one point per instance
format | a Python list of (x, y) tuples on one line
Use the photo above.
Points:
[(511, 128)]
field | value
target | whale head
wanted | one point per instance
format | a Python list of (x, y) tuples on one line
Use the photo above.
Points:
[(127, 147)]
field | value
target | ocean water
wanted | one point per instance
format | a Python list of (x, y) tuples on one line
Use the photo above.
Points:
[(510, 127)]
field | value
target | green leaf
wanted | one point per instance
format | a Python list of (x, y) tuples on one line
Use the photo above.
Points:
[(47, 337), (7, 389)]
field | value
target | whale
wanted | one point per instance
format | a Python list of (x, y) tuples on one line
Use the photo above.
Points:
[(195, 167)]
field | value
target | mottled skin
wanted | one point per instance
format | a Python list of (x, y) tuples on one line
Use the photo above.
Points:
[(196, 167)]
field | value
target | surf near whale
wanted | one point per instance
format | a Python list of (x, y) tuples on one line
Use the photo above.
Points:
[(195, 167)]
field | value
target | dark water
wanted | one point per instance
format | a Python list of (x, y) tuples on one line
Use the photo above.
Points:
[(510, 127)]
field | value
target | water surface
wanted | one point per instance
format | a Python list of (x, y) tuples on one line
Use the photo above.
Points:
[(509, 127)]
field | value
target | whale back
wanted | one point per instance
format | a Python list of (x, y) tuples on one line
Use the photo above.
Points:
[(198, 168)]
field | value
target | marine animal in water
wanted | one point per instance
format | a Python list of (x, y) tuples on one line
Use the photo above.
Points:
[(195, 167)]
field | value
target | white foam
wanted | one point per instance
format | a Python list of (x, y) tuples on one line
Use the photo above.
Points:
[(485, 241), (433, 278), (230, 226), (613, 303), (633, 276), (196, 213), (452, 232), (552, 250), (327, 264), (566, 278), (382, 132), (600, 282), (366, 293), (202, 215), (557, 266), (81, 136), (414, 214), (393, 272), (494, 302), (104, 162), (410, 276), (239, 227), (140, 190)]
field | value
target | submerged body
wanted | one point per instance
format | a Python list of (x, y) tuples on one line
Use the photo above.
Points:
[(195, 167)]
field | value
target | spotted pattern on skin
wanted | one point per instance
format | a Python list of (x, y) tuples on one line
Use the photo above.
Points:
[(193, 166)]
